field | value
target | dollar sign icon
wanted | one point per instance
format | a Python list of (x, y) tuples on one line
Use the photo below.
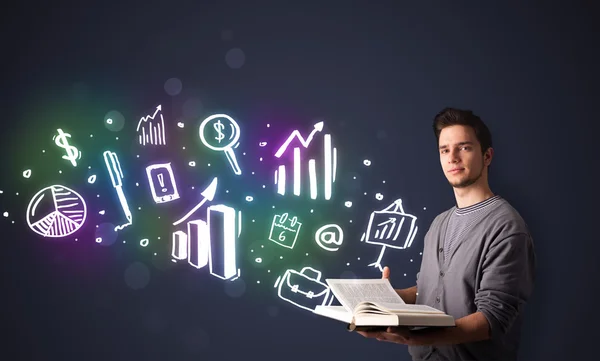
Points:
[(219, 129), (72, 153)]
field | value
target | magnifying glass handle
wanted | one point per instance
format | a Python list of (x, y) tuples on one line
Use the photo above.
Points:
[(233, 161)]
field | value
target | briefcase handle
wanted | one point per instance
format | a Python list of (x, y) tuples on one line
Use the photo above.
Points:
[(308, 271)]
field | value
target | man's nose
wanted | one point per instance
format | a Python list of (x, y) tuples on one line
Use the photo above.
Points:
[(453, 158)]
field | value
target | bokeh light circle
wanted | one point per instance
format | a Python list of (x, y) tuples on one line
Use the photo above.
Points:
[(196, 341), (114, 121), (173, 86), (235, 58), (137, 276), (105, 234), (273, 311), (192, 108), (348, 274)]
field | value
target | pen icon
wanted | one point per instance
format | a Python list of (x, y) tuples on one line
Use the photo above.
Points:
[(116, 176)]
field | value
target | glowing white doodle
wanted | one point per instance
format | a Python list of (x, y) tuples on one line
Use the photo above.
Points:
[(285, 230), (303, 289), (116, 176), (92, 179), (348, 204), (330, 234), (222, 260), (72, 152), (152, 130), (180, 245), (27, 173), (217, 127), (163, 175), (329, 166), (212, 242), (386, 226), (207, 194), (56, 211)]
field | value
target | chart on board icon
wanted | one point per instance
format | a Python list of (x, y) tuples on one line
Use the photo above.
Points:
[(56, 211)]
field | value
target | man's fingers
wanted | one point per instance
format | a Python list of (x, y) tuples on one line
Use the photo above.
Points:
[(385, 273), (368, 334), (402, 331)]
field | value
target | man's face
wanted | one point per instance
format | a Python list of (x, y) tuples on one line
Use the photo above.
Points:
[(460, 156)]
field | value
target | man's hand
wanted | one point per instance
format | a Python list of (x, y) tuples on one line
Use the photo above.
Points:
[(401, 335)]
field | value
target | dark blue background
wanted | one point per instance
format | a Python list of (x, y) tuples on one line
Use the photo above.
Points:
[(379, 71)]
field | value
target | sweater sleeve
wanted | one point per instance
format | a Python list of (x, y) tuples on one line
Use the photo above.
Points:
[(507, 282)]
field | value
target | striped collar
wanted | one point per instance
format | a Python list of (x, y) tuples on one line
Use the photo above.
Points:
[(477, 206)]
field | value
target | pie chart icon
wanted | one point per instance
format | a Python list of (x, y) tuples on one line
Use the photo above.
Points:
[(56, 211)]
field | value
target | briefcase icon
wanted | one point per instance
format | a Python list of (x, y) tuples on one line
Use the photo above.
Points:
[(304, 289)]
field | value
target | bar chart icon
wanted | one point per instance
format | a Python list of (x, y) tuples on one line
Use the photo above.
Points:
[(151, 129), (328, 166), (211, 242)]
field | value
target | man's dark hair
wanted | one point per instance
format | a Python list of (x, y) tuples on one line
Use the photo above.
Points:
[(453, 116)]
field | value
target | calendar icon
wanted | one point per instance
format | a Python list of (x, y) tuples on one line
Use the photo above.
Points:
[(284, 230)]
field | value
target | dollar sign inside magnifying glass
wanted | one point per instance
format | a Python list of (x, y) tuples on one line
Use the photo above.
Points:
[(221, 133)]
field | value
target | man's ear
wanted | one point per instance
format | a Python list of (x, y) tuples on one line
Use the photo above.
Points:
[(488, 155)]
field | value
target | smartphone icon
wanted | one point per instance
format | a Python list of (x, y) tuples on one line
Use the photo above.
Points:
[(162, 182)]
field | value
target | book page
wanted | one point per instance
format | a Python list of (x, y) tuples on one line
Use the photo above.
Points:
[(380, 307), (351, 292)]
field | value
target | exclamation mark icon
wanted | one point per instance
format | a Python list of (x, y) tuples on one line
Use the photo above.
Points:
[(161, 180)]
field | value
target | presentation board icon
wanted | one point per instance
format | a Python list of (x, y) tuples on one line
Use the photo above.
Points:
[(390, 227), (162, 183), (56, 211), (303, 288), (284, 230)]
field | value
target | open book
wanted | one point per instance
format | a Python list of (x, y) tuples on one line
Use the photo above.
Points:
[(374, 304)]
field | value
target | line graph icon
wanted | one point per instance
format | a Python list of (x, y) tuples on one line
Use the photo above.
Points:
[(151, 130), (56, 211), (329, 166)]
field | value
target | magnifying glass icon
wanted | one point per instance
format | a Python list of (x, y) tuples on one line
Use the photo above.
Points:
[(220, 132)]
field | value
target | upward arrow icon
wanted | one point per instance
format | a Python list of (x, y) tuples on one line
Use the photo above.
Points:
[(296, 134)]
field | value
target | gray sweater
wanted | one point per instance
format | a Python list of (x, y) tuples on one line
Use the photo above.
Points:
[(478, 258)]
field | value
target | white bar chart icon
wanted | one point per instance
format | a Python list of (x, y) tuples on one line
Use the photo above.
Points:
[(151, 129), (211, 242), (328, 166)]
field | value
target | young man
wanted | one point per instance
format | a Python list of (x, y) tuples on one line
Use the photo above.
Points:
[(478, 257)]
